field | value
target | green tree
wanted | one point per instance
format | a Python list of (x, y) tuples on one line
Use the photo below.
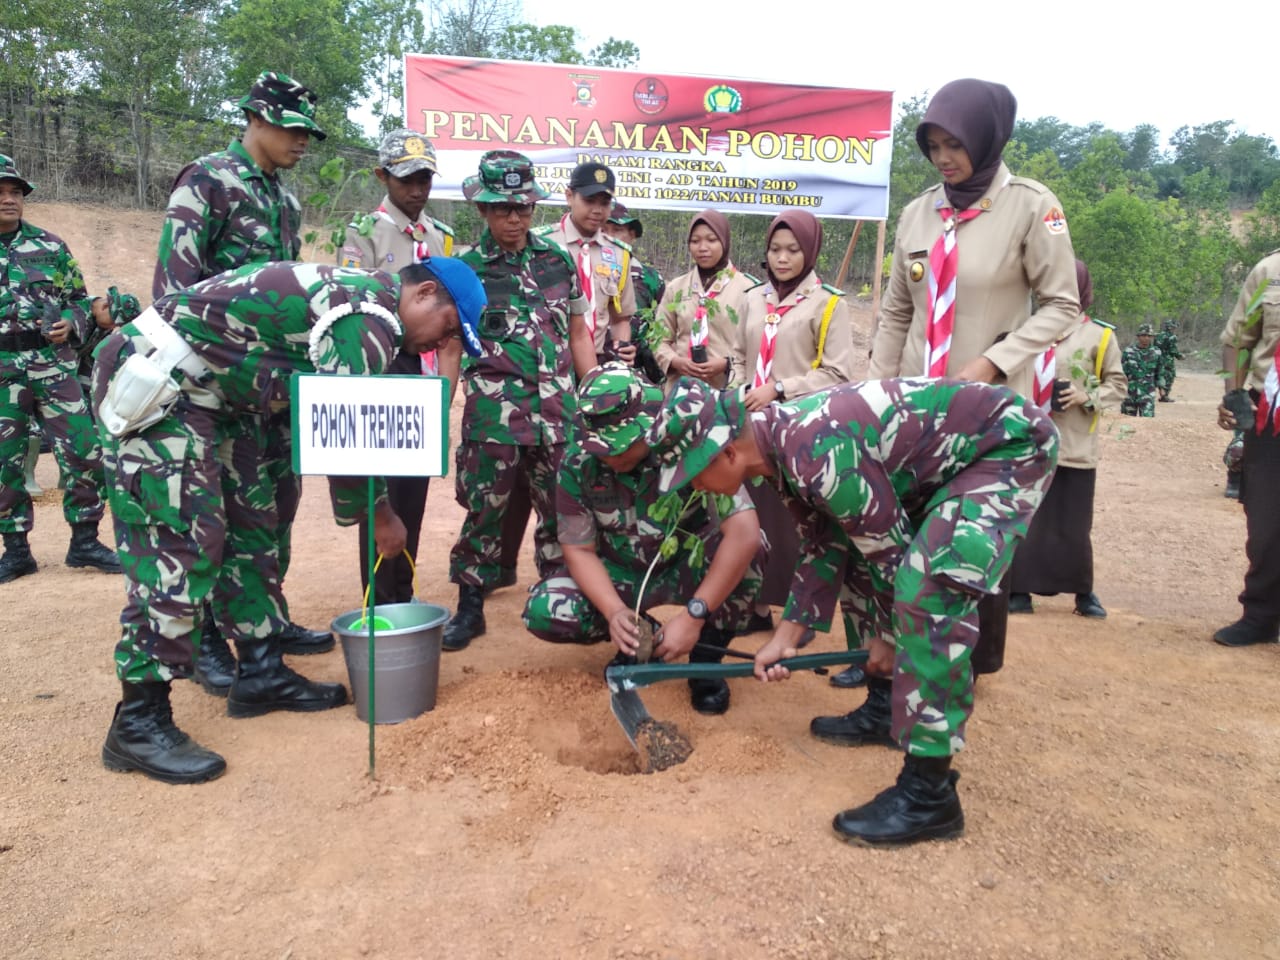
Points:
[(525, 42), (1121, 240), (393, 29), (613, 53), (469, 28)]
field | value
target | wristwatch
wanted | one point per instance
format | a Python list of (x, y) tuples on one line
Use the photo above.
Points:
[(782, 393), (698, 608)]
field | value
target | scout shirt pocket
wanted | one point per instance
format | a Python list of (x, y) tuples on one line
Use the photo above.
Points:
[(969, 544), (151, 480), (608, 272)]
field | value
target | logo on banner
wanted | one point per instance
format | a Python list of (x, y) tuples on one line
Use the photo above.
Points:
[(583, 95), (722, 99), (650, 95)]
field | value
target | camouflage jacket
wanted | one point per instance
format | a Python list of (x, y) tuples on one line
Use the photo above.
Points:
[(1140, 367), (648, 285), (224, 213), (521, 391), (37, 269), (1167, 343), (876, 456), (596, 505), (252, 329)]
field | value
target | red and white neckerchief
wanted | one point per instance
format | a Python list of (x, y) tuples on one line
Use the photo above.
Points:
[(700, 331), (768, 342), (1046, 368), (1269, 401), (417, 234), (944, 261), (585, 276)]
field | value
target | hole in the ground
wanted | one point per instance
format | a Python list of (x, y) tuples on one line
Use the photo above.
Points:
[(601, 747)]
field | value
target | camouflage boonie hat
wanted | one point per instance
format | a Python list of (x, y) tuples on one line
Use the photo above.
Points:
[(9, 171), (403, 153), (694, 425), (281, 100), (623, 218), (505, 177), (1144, 330), (1168, 324), (123, 307), (616, 409)]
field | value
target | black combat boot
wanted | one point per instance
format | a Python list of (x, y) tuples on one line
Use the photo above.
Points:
[(297, 639), (17, 560), (86, 551), (849, 677), (710, 696), (922, 805), (263, 683), (1088, 605), (215, 668), (468, 622), (143, 737), (869, 724)]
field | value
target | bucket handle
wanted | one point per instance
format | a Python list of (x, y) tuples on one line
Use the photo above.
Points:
[(413, 569)]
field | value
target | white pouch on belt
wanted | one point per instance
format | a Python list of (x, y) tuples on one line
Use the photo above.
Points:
[(143, 389)]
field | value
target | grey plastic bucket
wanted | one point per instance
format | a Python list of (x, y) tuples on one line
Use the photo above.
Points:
[(406, 659)]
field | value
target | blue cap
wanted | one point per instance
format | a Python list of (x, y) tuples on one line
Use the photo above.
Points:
[(467, 292)]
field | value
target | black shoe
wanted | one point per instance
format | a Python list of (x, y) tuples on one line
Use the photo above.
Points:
[(506, 578), (1020, 603), (1088, 605), (922, 805), (215, 667), (849, 678), (468, 622), (17, 560), (298, 640), (86, 551), (263, 684), (759, 623), (870, 724), (1232, 492), (143, 737), (1245, 633), (710, 697)]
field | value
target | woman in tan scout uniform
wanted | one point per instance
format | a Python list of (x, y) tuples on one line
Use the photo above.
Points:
[(1057, 555), (796, 339), (704, 308)]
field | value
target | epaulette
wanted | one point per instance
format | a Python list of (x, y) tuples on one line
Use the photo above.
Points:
[(442, 227), (545, 230), (1103, 323), (833, 290), (618, 243)]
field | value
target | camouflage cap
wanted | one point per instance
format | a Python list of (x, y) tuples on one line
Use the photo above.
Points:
[(1169, 325), (281, 100), (123, 307), (1145, 330), (691, 429), (616, 409), (623, 218), (9, 171), (505, 177), (403, 153)]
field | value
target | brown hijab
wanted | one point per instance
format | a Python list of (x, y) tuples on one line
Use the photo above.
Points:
[(1084, 283), (808, 233), (979, 114), (718, 224)]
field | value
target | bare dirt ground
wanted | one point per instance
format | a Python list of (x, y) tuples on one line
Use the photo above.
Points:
[(1121, 784)]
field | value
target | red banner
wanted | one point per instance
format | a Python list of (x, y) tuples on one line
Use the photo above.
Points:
[(674, 142)]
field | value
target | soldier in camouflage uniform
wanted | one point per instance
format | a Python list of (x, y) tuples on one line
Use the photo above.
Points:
[(228, 210), (191, 531), (647, 283), (1167, 343), (1233, 460), (1141, 362), (912, 496), (611, 527), (519, 392), (43, 305)]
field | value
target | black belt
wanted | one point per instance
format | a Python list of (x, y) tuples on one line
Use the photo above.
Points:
[(22, 340)]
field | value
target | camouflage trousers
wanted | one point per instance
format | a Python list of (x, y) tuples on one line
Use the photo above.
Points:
[(487, 475), (39, 388), (1233, 456), (1139, 405), (1165, 378), (961, 550), (558, 610), (192, 527)]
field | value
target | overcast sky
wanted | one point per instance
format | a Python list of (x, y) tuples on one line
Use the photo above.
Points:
[(1119, 63)]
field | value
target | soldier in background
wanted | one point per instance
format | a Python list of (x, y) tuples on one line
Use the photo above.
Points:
[(520, 390), (227, 210), (229, 345), (912, 496), (647, 283), (397, 233), (1141, 363), (43, 306), (1167, 343)]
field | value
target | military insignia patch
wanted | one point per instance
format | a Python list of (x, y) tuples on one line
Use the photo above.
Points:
[(415, 147), (1055, 222), (916, 272)]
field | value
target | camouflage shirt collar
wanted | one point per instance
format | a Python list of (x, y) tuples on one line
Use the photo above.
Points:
[(251, 169), (26, 230), (490, 250)]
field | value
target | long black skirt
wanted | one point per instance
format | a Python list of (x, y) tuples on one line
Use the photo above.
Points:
[(1057, 555)]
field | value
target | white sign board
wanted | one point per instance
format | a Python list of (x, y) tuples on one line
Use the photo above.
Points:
[(370, 426)]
